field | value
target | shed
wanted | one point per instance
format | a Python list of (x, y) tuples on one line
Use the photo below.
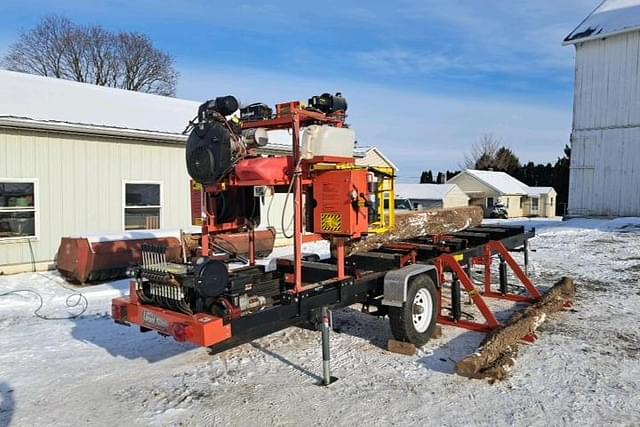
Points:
[(428, 196), (605, 139)]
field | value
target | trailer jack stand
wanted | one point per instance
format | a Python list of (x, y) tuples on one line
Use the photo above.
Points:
[(325, 327)]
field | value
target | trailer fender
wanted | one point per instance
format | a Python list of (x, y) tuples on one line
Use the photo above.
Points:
[(396, 282)]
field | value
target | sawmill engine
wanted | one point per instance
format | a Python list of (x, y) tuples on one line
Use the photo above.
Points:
[(222, 159), (216, 143)]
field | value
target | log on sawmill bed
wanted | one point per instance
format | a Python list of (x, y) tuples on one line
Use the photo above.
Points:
[(414, 224), (495, 357)]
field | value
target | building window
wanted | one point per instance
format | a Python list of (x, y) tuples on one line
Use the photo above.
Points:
[(18, 206), (489, 202), (534, 204), (142, 206)]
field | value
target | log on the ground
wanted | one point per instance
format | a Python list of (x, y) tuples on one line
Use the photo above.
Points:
[(414, 224), (496, 354)]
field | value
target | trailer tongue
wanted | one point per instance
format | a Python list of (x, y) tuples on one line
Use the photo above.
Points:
[(416, 280)]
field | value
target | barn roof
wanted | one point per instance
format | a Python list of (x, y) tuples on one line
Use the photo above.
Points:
[(611, 17), (424, 191), (56, 103)]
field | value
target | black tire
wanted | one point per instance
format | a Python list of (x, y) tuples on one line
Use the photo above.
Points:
[(401, 318)]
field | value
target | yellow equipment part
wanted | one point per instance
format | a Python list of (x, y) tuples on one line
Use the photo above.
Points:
[(386, 193)]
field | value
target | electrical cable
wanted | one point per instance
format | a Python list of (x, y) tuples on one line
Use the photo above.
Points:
[(33, 257), (273, 196), (69, 302), (81, 301), (286, 200)]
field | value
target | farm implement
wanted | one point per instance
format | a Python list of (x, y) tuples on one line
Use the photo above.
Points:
[(418, 280)]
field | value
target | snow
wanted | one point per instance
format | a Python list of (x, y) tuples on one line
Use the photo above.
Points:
[(610, 17), (53, 100), (584, 369), (424, 191), (137, 235)]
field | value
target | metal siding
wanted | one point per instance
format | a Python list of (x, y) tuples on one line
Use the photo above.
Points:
[(605, 173), (606, 135), (607, 92), (80, 184)]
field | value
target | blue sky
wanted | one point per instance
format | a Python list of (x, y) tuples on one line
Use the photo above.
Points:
[(425, 78)]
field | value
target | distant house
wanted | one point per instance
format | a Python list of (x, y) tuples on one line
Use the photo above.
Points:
[(373, 156), (488, 188), (605, 140), (540, 201), (429, 196)]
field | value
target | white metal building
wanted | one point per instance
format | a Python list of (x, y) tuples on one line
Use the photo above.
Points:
[(605, 141), (431, 196), (78, 159)]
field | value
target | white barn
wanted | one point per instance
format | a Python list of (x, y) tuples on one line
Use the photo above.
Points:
[(605, 140)]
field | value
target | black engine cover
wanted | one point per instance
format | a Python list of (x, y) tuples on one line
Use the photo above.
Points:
[(208, 152), (212, 278)]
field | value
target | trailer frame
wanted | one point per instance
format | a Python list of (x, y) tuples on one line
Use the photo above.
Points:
[(362, 281)]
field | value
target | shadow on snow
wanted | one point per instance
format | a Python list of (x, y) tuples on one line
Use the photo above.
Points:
[(127, 342)]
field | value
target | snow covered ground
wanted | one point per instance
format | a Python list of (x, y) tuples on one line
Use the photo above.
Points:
[(585, 369)]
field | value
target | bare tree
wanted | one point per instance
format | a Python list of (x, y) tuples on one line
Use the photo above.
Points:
[(41, 50), (58, 48), (145, 67), (482, 153), (489, 154), (103, 56)]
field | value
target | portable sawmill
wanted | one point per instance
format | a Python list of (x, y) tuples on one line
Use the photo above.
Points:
[(205, 302)]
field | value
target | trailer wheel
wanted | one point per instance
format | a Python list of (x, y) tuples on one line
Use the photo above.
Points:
[(415, 321)]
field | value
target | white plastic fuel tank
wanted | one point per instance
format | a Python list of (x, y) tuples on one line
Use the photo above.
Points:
[(325, 140)]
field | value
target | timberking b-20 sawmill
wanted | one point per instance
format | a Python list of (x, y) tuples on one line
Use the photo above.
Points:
[(204, 302)]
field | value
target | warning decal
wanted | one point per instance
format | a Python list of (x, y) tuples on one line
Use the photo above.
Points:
[(331, 222)]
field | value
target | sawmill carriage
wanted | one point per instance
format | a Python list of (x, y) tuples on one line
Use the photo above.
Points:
[(204, 301)]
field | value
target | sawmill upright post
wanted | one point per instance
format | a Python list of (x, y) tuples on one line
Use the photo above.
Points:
[(298, 213)]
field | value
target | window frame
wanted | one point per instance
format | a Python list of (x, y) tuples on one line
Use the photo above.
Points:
[(125, 207), (35, 209), (535, 207)]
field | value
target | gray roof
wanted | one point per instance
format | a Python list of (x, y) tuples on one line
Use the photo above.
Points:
[(609, 18)]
